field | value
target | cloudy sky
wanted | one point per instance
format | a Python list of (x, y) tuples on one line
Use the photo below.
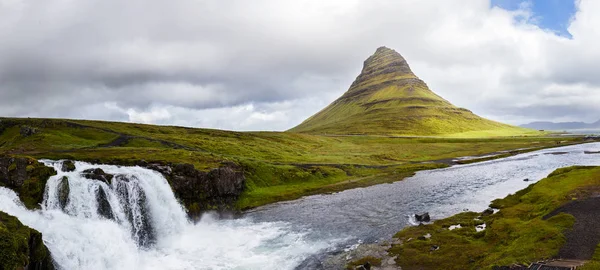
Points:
[(269, 64)]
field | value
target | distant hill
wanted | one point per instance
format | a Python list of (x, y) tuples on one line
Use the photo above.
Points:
[(387, 98), (562, 125)]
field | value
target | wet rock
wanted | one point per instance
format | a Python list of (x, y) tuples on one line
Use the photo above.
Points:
[(25, 244), (163, 169), (135, 205), (27, 131), (98, 174), (104, 208), (68, 166), (201, 191), (146, 235), (27, 177), (424, 217), (63, 192)]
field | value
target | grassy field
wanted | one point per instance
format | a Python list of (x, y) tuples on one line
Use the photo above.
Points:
[(518, 233), (278, 165)]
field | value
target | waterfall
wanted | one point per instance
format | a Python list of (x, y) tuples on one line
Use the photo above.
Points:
[(132, 220)]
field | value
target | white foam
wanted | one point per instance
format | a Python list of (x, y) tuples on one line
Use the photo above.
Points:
[(79, 238)]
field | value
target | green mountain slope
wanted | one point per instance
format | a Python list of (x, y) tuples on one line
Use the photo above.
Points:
[(387, 98)]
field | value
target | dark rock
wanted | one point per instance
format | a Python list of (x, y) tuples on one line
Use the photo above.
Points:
[(201, 191), (164, 169), (98, 174), (27, 177), (143, 232), (26, 245), (68, 166), (104, 208), (63, 192), (424, 217), (526, 180), (27, 131), (487, 212)]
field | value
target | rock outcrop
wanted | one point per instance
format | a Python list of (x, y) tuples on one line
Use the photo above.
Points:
[(201, 191), (27, 177), (98, 174), (68, 166), (424, 217), (22, 247), (104, 208), (63, 192)]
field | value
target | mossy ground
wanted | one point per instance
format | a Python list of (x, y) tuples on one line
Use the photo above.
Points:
[(518, 233), (35, 176), (20, 245), (278, 165)]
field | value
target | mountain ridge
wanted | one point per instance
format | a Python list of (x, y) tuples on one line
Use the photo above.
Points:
[(387, 98), (547, 125)]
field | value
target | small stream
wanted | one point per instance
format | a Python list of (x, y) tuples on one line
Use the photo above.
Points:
[(366, 215)]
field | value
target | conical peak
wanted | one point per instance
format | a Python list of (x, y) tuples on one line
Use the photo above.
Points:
[(385, 60)]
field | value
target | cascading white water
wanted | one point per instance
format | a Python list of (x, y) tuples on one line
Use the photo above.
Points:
[(135, 222)]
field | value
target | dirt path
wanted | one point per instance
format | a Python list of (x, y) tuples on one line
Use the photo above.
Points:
[(585, 235)]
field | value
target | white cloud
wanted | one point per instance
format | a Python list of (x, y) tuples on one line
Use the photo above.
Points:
[(267, 64)]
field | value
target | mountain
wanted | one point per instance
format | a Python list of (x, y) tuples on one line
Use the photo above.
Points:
[(387, 98), (543, 125)]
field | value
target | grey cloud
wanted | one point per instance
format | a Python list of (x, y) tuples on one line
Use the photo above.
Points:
[(188, 62)]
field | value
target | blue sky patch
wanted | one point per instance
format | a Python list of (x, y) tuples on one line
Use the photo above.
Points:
[(553, 15)]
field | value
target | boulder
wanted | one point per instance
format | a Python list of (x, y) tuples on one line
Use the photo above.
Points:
[(424, 217), (27, 131), (98, 174), (68, 166), (104, 208), (63, 192)]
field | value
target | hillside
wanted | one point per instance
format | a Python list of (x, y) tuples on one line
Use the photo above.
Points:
[(387, 98), (277, 165)]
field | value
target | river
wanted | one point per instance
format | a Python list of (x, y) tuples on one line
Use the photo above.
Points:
[(148, 228)]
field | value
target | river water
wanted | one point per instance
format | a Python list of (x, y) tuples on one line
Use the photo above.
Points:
[(148, 229)]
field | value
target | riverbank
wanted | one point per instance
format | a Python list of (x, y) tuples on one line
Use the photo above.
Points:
[(553, 219), (277, 166)]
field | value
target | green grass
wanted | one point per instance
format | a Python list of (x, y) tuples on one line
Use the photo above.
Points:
[(278, 165), (516, 234)]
